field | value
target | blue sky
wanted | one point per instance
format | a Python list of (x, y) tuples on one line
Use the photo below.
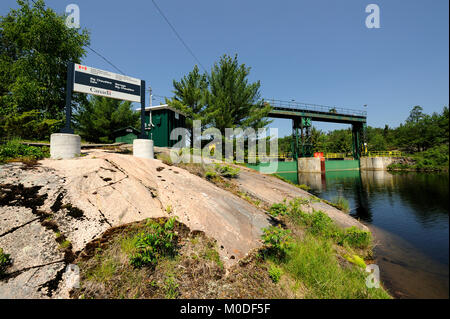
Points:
[(315, 51)]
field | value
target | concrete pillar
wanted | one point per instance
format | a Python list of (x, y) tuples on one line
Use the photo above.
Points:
[(65, 146), (309, 165), (365, 163), (375, 163), (143, 148)]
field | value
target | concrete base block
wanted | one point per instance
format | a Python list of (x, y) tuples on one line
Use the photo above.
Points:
[(65, 146), (375, 163), (143, 148), (309, 165)]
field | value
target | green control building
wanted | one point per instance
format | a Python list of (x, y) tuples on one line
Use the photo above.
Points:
[(126, 135), (160, 120)]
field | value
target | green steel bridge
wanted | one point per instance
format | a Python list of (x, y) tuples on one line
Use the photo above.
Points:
[(302, 115)]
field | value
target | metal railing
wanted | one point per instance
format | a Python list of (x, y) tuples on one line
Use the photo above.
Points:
[(293, 105), (279, 156), (383, 154), (335, 155)]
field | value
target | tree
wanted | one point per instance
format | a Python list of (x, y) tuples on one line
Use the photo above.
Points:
[(190, 96), (222, 99), (231, 100), (415, 115), (35, 47), (97, 119)]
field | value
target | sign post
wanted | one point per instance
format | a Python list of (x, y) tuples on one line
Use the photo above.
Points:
[(142, 136), (89, 80), (69, 88)]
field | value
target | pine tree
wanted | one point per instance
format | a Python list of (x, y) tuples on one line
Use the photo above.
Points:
[(231, 100)]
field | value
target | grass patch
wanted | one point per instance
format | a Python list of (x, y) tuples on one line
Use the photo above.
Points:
[(325, 259), (275, 273), (313, 261), (104, 271), (304, 187)]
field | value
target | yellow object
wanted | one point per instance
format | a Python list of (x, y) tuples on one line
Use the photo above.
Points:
[(355, 259), (384, 154)]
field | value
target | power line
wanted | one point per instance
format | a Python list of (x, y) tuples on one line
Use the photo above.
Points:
[(178, 36), (106, 60)]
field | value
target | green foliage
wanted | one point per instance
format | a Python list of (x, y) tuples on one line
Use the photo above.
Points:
[(275, 273), (320, 224), (171, 287), (313, 262), (210, 175), (355, 237), (35, 47), (16, 150), (419, 133), (434, 157), (160, 241), (5, 261), (223, 98), (278, 241), (278, 209), (97, 119), (312, 258), (31, 125), (304, 187), (227, 171)]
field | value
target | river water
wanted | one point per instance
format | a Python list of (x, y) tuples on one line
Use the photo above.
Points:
[(408, 215)]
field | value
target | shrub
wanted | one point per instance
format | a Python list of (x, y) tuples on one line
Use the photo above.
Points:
[(161, 241), (318, 223), (210, 175), (278, 209), (275, 273), (278, 240), (227, 171), (356, 237), (295, 205), (15, 150), (5, 262)]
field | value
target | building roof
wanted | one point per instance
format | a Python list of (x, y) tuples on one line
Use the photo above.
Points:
[(134, 130), (163, 107)]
